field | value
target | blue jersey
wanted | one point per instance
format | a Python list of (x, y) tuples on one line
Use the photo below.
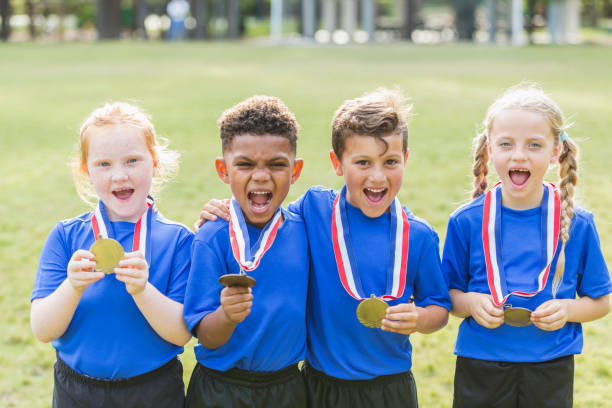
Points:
[(524, 256), (338, 344), (273, 335), (108, 337)]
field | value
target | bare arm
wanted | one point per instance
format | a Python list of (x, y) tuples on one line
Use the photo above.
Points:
[(216, 328), (163, 314), (553, 314), (50, 316)]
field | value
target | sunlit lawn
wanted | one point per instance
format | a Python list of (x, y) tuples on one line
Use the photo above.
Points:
[(47, 90)]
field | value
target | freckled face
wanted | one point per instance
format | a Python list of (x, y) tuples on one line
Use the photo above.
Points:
[(373, 175), (259, 169), (521, 148), (121, 170)]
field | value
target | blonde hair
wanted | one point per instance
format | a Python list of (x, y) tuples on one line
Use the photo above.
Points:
[(127, 115), (531, 98), (376, 114)]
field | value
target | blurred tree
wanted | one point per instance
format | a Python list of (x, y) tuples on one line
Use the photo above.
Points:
[(410, 19), (5, 13), (107, 18), (465, 19)]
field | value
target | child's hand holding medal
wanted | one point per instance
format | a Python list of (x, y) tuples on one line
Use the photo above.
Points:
[(550, 315), (484, 311), (81, 270), (133, 270), (402, 318), (236, 302)]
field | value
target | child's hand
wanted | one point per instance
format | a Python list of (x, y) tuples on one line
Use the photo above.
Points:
[(236, 302), (550, 315), (484, 311), (80, 270), (211, 210), (402, 319), (133, 270)]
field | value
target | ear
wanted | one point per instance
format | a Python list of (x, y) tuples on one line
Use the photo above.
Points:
[(155, 163), (222, 169), (407, 154), (297, 170), (337, 165), (489, 149)]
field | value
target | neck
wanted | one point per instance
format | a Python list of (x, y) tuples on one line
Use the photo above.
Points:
[(523, 203)]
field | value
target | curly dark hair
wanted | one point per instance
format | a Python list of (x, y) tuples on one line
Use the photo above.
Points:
[(258, 115)]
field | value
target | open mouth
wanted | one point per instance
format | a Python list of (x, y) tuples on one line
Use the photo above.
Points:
[(123, 193), (519, 176), (259, 201), (375, 195)]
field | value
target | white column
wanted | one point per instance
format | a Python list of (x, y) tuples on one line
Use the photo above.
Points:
[(368, 17), (572, 21), (518, 37), (308, 18), (329, 15), (276, 19), (349, 16)]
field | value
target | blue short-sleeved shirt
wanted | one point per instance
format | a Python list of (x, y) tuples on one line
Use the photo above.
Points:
[(108, 337), (273, 335), (523, 255), (338, 344)]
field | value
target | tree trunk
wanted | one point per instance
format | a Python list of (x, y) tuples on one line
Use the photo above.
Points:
[(5, 13), (233, 19), (200, 10), (141, 14), (410, 19), (30, 11), (107, 19)]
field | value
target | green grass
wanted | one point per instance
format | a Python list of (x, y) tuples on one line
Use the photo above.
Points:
[(47, 90)]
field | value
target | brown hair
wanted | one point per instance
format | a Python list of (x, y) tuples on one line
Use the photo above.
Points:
[(531, 98), (122, 114), (377, 114), (258, 115)]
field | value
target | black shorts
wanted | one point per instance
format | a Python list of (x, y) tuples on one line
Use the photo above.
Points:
[(237, 388), (162, 387), (494, 384), (396, 390)]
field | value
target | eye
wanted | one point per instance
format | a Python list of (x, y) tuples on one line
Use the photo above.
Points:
[(242, 164), (505, 145), (279, 165), (132, 160), (534, 145), (362, 162), (391, 162), (103, 164)]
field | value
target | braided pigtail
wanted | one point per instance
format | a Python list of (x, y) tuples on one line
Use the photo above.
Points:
[(568, 167), (481, 167)]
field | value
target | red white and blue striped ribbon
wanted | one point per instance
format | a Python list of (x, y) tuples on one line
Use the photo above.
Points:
[(491, 239), (100, 226), (239, 237), (345, 259)]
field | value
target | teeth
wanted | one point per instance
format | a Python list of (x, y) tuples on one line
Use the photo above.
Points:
[(259, 192), (522, 170), (376, 190)]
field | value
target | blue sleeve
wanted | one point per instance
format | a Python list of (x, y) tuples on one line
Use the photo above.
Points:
[(203, 289), (297, 206), (430, 287), (53, 264), (455, 258), (181, 262), (593, 276)]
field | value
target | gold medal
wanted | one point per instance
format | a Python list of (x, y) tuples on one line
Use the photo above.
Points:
[(237, 279), (108, 253), (370, 312), (517, 316)]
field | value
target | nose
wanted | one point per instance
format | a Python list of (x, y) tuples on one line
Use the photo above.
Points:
[(377, 174), (518, 153), (119, 174), (261, 174)]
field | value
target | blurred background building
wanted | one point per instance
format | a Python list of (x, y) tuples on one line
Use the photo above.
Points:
[(313, 21)]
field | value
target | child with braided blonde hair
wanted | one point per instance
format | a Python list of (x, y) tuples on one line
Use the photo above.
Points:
[(517, 256)]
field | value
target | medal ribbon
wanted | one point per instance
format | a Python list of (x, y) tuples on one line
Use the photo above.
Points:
[(239, 237), (345, 259), (100, 226), (491, 240)]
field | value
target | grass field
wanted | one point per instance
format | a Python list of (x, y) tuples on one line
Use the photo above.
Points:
[(47, 90)]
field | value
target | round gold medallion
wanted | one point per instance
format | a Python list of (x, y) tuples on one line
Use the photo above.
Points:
[(237, 279), (517, 316), (108, 253), (370, 312)]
